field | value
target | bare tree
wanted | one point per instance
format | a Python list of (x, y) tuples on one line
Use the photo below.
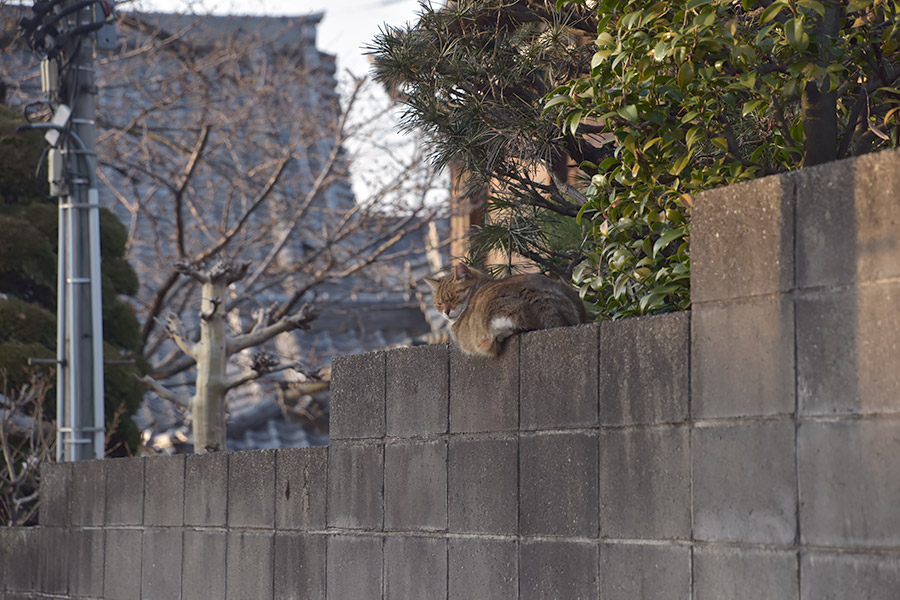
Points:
[(27, 440), (222, 141)]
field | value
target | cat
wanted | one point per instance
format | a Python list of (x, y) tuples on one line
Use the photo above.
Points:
[(485, 311)]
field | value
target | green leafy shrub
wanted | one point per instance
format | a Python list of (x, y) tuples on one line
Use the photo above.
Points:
[(695, 94)]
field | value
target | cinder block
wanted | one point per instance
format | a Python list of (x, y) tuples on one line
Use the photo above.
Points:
[(22, 550), (361, 556), (742, 358), (558, 484), (484, 390), (744, 574), (745, 482), (357, 396), (827, 576), (645, 370), (251, 489), (161, 564), (483, 568), (53, 560), (86, 573), (558, 371), (848, 227), (206, 489), (164, 493), (5, 548), (558, 569), (87, 507), (249, 565), (415, 486), (124, 491), (300, 488), (55, 481), (122, 564), (415, 568), (849, 489), (203, 568), (483, 480), (418, 390), (355, 485), (742, 240), (299, 566), (629, 571), (847, 344), (645, 483)]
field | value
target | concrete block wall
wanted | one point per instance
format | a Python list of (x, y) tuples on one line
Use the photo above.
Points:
[(747, 449)]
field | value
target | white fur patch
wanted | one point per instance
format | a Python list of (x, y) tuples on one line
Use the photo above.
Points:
[(502, 328)]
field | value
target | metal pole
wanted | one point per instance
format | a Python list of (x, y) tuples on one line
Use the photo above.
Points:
[(62, 330), (81, 415)]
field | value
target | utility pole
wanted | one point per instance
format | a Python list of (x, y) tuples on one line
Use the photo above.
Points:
[(80, 418), (63, 33)]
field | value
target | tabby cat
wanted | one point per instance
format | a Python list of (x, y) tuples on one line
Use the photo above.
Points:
[(485, 311)]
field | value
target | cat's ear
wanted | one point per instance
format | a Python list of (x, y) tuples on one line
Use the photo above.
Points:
[(462, 271), (432, 283)]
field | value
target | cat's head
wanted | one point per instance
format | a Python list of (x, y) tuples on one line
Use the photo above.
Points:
[(453, 291)]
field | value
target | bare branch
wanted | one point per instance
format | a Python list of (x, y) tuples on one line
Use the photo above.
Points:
[(165, 393), (261, 364), (179, 193), (254, 205), (156, 305), (302, 319), (175, 328), (190, 269)]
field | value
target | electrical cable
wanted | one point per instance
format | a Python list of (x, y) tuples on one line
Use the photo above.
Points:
[(74, 136)]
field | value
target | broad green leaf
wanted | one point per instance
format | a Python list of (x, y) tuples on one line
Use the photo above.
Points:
[(619, 286), (648, 302), (599, 57), (604, 40), (667, 238), (797, 131), (662, 49), (771, 11), (658, 140), (629, 113), (642, 273), (692, 4), (606, 163), (693, 135), (813, 5), (720, 142), (751, 106), (578, 273), (574, 120), (685, 73), (604, 228), (796, 35), (557, 100), (679, 165)]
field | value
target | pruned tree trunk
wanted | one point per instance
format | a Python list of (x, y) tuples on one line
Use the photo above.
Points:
[(209, 402), (212, 351)]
